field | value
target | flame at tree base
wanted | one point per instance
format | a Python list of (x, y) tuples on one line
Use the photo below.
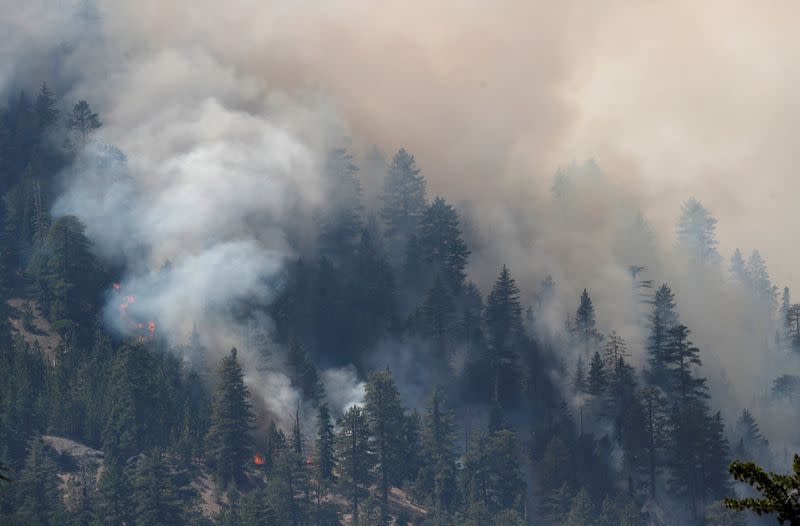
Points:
[(258, 460)]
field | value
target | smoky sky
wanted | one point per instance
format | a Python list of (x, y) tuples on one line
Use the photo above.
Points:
[(672, 100)]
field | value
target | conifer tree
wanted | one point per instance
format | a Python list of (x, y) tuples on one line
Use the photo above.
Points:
[(303, 373), (156, 496), (697, 232), (764, 291), (777, 491), (585, 322), (325, 443), (615, 349), (793, 325), (228, 439), (655, 428), (255, 510), (113, 504), (403, 195), (596, 381), (579, 378), (440, 239), (384, 411), (341, 222), (438, 317), (751, 444), (83, 121), (504, 482), (437, 478), (662, 318), (37, 489), (354, 454), (504, 325), (738, 269), (681, 356), (46, 111), (290, 483)]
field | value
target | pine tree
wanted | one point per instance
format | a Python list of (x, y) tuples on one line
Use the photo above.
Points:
[(437, 478), (786, 304), (228, 439), (765, 292), (697, 232), (504, 482), (303, 373), (46, 111), (662, 319), (113, 504), (440, 239), (384, 411), (738, 269), (777, 491), (793, 325), (504, 325), (37, 489), (680, 356), (325, 443), (596, 381), (616, 349), (403, 195), (752, 445), (654, 427), (438, 317), (156, 497), (65, 274), (297, 436), (585, 322), (353, 451), (290, 483), (83, 121), (372, 294), (255, 510), (579, 378), (341, 222)]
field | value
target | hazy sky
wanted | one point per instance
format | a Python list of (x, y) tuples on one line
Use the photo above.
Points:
[(679, 98)]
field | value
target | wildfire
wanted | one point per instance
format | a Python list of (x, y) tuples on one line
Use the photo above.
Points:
[(126, 302), (258, 460), (141, 326), (309, 461)]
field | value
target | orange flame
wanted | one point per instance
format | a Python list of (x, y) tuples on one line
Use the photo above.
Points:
[(309, 461), (258, 460), (151, 328)]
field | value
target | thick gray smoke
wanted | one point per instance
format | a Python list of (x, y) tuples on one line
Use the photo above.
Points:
[(224, 112)]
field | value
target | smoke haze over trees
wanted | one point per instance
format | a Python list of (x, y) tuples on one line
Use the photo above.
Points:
[(421, 263)]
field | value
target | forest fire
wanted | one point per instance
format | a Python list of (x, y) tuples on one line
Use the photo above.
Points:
[(258, 459), (127, 301)]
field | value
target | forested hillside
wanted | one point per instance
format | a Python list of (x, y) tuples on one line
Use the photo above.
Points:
[(519, 423), (398, 263)]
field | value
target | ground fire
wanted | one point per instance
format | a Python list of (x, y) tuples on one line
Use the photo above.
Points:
[(258, 460), (144, 330)]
